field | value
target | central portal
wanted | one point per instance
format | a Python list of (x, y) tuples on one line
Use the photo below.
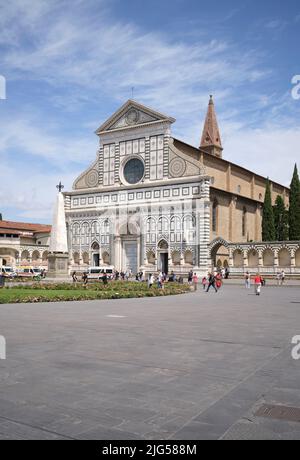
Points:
[(130, 259), (164, 262)]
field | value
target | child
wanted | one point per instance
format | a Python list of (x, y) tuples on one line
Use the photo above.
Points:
[(257, 283)]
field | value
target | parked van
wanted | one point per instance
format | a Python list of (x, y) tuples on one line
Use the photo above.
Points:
[(96, 273), (8, 272), (28, 272)]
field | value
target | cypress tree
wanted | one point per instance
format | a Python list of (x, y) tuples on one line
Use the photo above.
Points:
[(280, 220), (294, 211), (268, 226)]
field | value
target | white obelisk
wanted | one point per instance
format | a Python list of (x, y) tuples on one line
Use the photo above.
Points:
[(58, 250)]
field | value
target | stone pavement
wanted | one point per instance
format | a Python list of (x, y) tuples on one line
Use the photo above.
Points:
[(196, 366)]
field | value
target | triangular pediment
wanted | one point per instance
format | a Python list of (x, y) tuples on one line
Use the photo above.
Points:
[(132, 114)]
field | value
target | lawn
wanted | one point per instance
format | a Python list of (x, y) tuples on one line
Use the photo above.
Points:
[(42, 292)]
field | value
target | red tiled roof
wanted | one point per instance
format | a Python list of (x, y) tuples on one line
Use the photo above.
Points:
[(24, 227)]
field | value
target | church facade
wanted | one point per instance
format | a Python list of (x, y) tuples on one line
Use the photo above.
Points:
[(151, 202)]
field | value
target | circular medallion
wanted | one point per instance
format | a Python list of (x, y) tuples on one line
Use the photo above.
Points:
[(133, 171), (132, 117), (91, 179), (177, 167)]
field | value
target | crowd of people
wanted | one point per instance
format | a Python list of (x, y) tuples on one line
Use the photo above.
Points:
[(212, 280)]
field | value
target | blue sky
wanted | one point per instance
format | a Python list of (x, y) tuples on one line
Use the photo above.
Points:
[(70, 64)]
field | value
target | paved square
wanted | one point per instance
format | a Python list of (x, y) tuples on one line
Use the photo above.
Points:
[(197, 366)]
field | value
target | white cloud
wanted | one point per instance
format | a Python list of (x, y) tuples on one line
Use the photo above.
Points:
[(29, 136), (85, 55)]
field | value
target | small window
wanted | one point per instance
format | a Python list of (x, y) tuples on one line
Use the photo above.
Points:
[(244, 222), (215, 216), (239, 189)]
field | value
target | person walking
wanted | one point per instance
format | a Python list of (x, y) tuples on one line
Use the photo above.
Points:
[(278, 277), (257, 284), (150, 280), (190, 277), (226, 273), (211, 282), (219, 281), (195, 281), (85, 279), (74, 277), (204, 282), (160, 280), (247, 280), (282, 277)]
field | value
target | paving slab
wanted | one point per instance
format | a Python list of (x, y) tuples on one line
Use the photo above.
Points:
[(194, 366)]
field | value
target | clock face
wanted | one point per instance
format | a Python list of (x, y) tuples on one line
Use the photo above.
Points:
[(132, 117)]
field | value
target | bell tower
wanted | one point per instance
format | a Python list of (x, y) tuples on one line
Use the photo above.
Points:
[(211, 139)]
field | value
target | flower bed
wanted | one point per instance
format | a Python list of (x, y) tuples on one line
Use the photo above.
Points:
[(39, 292)]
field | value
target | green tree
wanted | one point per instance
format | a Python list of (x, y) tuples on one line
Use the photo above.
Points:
[(268, 226), (281, 220), (294, 211)]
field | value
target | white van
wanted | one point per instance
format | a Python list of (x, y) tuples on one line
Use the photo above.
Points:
[(9, 272), (96, 273), (28, 272)]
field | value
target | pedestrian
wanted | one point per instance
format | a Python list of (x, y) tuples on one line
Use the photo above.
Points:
[(247, 280), (160, 280), (211, 282), (282, 276), (104, 279), (74, 277), (195, 281), (85, 279), (190, 277), (218, 281), (204, 282), (278, 277), (151, 280), (226, 273), (257, 284)]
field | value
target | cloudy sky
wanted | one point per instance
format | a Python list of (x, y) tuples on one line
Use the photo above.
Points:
[(69, 64)]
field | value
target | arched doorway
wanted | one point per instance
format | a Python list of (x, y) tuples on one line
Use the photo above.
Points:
[(219, 253), (163, 256), (95, 254)]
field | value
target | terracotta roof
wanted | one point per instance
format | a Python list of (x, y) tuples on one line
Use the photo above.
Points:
[(11, 232), (24, 227)]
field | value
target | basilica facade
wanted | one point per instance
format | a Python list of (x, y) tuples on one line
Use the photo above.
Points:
[(151, 202)]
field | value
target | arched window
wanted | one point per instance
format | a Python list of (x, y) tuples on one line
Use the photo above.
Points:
[(151, 230), (105, 231), (163, 225), (215, 216), (244, 222), (189, 228), (175, 227)]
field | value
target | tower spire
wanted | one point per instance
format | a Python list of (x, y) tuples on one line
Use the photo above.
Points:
[(211, 139)]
